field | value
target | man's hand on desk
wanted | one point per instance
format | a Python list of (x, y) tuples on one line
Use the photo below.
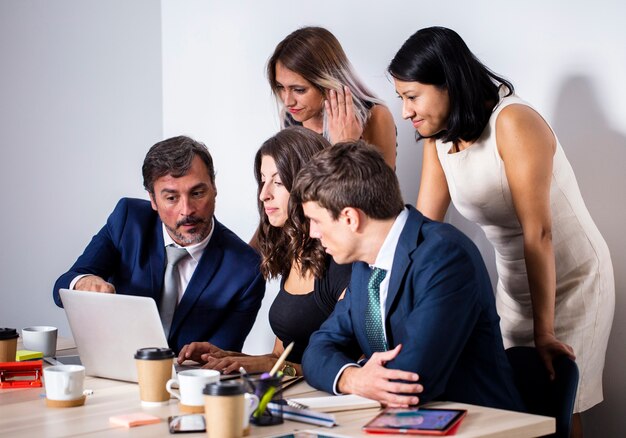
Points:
[(375, 382), (95, 284)]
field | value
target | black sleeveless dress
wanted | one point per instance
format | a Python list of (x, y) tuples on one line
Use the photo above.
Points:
[(296, 317)]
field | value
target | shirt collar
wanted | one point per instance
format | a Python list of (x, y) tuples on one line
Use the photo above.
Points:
[(384, 259), (195, 250)]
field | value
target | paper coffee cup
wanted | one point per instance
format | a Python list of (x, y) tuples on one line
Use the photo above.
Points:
[(64, 382), (8, 344), (40, 338), (224, 407), (154, 369)]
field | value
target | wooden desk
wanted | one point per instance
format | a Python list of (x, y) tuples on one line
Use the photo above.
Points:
[(23, 413)]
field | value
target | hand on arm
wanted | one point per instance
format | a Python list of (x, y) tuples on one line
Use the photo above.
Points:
[(527, 145), (342, 122), (376, 382), (94, 283)]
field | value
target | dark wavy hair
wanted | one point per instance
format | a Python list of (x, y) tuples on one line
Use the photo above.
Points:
[(280, 247), (438, 56)]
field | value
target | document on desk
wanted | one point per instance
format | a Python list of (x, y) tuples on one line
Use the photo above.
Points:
[(309, 434), (337, 403)]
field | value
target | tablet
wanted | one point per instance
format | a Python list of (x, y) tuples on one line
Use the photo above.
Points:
[(419, 421)]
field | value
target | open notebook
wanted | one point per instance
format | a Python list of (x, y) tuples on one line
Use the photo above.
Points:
[(337, 403)]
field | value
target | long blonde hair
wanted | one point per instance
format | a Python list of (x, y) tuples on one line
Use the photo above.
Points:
[(316, 55)]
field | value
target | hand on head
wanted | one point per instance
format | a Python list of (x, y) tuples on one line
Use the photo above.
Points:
[(342, 122), (94, 283), (376, 382)]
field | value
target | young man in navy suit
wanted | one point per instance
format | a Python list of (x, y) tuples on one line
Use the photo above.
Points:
[(216, 291), (420, 306)]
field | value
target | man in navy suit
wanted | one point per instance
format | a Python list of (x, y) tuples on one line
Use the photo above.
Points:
[(420, 304), (217, 286)]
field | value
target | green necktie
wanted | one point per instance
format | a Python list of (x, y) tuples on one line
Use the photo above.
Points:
[(373, 320)]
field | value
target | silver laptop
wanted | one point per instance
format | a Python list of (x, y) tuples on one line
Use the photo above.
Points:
[(109, 328)]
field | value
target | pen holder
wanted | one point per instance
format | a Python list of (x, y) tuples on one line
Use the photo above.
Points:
[(267, 389)]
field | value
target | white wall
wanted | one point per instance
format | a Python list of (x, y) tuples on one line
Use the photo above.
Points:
[(87, 86), (567, 58), (80, 103)]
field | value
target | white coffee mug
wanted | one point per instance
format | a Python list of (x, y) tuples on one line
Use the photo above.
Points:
[(251, 403), (40, 338), (190, 385), (64, 382)]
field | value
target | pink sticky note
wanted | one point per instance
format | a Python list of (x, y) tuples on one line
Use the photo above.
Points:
[(132, 420)]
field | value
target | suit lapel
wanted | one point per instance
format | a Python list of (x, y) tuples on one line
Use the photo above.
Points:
[(358, 288), (207, 267), (157, 261), (402, 256)]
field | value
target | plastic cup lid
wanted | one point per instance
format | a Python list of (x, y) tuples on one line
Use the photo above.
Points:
[(224, 388), (154, 353), (8, 333)]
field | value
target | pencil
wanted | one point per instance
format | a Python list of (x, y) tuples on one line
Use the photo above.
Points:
[(281, 359)]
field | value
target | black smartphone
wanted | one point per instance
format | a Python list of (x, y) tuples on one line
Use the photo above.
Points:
[(187, 423)]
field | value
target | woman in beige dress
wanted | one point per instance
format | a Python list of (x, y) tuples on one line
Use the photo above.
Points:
[(502, 165)]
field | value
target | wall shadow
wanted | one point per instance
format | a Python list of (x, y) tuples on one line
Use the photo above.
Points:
[(597, 152)]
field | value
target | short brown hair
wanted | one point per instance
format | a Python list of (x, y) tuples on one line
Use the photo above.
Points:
[(350, 174), (174, 157)]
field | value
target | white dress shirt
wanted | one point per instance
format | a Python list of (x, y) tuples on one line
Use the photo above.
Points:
[(186, 267), (384, 260)]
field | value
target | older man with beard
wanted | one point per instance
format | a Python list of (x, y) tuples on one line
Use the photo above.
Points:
[(212, 289)]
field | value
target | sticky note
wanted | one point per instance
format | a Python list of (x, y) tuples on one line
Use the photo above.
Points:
[(132, 420), (27, 355)]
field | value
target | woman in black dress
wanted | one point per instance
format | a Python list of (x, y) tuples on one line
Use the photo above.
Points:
[(311, 282)]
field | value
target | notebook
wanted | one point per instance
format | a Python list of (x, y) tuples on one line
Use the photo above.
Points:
[(109, 328), (336, 403)]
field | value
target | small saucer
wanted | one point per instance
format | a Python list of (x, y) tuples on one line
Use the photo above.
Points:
[(154, 404), (65, 403), (191, 409)]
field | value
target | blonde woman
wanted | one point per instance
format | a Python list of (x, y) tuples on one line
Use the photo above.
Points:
[(317, 88)]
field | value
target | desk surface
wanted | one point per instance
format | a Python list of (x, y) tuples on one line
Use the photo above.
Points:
[(23, 413)]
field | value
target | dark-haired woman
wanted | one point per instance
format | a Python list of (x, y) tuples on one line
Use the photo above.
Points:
[(317, 88), (501, 164), (311, 282)]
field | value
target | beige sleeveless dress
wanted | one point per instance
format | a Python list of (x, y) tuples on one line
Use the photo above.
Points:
[(585, 294)]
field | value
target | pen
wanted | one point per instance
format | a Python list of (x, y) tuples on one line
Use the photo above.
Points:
[(281, 359), (269, 393)]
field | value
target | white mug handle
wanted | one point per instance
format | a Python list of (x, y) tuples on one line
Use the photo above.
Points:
[(253, 401), (168, 387)]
